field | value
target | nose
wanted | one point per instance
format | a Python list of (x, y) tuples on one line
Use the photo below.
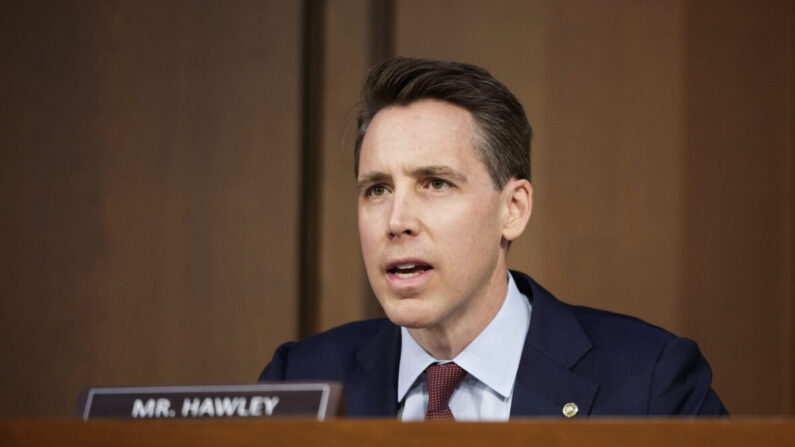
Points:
[(402, 217)]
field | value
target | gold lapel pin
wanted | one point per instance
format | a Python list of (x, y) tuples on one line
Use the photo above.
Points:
[(570, 410)]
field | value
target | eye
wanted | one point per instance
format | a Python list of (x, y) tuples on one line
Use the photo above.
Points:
[(376, 191), (438, 184)]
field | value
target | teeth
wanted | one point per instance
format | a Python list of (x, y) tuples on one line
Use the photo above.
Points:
[(409, 270)]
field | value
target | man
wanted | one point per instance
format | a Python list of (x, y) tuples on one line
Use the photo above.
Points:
[(442, 163)]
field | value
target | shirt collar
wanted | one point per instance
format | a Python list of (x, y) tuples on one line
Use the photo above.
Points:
[(492, 357)]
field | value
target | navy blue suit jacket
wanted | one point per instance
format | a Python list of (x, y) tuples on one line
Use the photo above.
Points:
[(608, 364)]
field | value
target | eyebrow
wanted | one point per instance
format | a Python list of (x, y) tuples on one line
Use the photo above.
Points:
[(444, 171), (371, 178), (439, 171)]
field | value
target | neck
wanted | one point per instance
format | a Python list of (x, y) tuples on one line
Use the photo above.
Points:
[(445, 341)]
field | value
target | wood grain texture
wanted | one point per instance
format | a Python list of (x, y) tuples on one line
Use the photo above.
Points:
[(738, 261), (607, 432), (149, 182)]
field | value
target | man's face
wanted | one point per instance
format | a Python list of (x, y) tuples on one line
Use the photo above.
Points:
[(430, 218)]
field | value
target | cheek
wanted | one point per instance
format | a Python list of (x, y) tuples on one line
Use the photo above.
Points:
[(476, 225), (367, 233), (364, 237), (472, 237)]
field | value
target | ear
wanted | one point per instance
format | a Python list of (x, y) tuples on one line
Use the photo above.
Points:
[(517, 196)]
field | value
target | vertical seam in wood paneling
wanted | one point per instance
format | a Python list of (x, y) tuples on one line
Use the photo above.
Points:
[(311, 165), (791, 403)]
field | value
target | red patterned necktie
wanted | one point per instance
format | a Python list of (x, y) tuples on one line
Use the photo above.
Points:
[(442, 380)]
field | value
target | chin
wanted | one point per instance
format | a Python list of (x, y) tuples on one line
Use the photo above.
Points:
[(408, 315)]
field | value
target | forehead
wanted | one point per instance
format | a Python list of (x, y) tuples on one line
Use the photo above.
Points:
[(423, 132)]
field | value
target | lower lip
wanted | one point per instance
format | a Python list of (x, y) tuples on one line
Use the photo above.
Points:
[(410, 282)]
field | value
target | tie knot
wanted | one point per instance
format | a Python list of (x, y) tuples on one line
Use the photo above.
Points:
[(442, 380)]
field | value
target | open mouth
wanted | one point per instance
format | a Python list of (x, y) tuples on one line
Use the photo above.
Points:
[(409, 269)]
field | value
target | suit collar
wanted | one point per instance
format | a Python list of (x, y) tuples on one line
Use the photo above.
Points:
[(554, 344), (371, 388)]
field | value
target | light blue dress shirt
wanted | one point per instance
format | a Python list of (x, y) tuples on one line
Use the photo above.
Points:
[(491, 361)]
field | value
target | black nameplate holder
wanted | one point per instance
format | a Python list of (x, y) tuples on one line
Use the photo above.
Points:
[(319, 400)]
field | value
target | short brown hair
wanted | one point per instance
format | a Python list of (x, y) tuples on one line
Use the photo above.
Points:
[(502, 129)]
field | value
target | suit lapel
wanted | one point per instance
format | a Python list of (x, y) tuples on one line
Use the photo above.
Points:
[(554, 344), (371, 388)]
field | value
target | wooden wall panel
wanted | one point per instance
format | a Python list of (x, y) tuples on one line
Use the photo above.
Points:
[(610, 221), (150, 184), (738, 261)]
